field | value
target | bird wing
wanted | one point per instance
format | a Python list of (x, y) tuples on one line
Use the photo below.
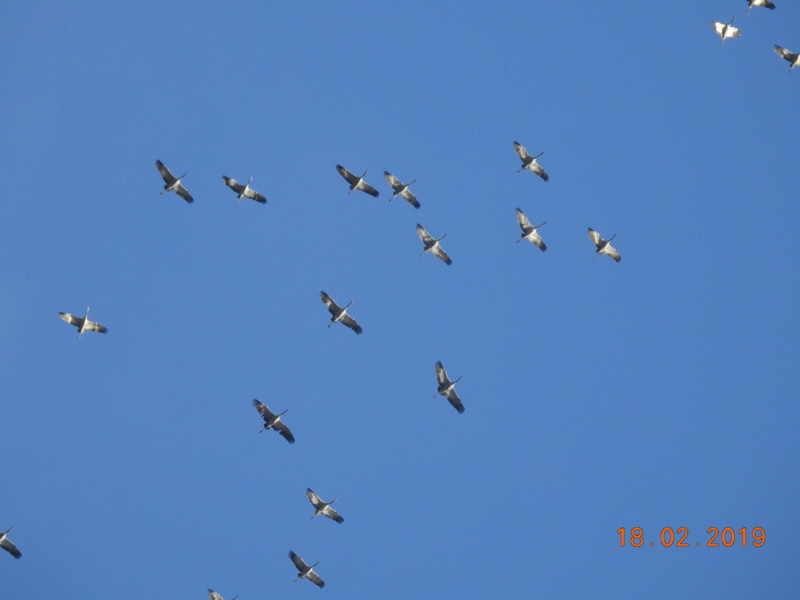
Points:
[(92, 326), (333, 308), (612, 252), (441, 374), (522, 153), (524, 223), (262, 409), (412, 199), (351, 323), (281, 428), (71, 319), (168, 177), (596, 238), (316, 579), (393, 181), (298, 562), (439, 252), (183, 193), (718, 27), (315, 500), (785, 54), (254, 195), (424, 235), (365, 187), (537, 240), (351, 179), (537, 168), (732, 32), (453, 398), (9, 546), (214, 595), (332, 514), (233, 184)]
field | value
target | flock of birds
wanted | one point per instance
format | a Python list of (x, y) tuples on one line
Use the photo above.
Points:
[(727, 30), (339, 314)]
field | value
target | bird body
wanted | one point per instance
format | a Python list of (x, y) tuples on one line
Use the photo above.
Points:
[(323, 508), (793, 58), (401, 189), (306, 571), (82, 323), (529, 231), (764, 3), (357, 183), (529, 162), (432, 245), (339, 314), (725, 30), (273, 421), (447, 388), (244, 190), (172, 183), (604, 246), (7, 545)]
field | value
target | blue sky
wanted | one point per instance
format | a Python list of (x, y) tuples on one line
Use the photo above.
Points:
[(657, 392)]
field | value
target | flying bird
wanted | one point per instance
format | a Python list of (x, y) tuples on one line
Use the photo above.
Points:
[(82, 323), (764, 3), (215, 596), (340, 313), (401, 189), (357, 183), (244, 191), (725, 30), (793, 58), (604, 246), (8, 545), (529, 231), (529, 162), (323, 508), (273, 421), (447, 388), (306, 571), (432, 245), (172, 183)]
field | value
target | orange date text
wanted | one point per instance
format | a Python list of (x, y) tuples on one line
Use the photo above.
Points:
[(680, 537)]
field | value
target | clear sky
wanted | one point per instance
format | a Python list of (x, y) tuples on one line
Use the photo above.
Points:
[(661, 391)]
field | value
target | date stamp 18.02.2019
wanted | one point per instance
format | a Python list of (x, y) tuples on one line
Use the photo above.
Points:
[(726, 537)]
